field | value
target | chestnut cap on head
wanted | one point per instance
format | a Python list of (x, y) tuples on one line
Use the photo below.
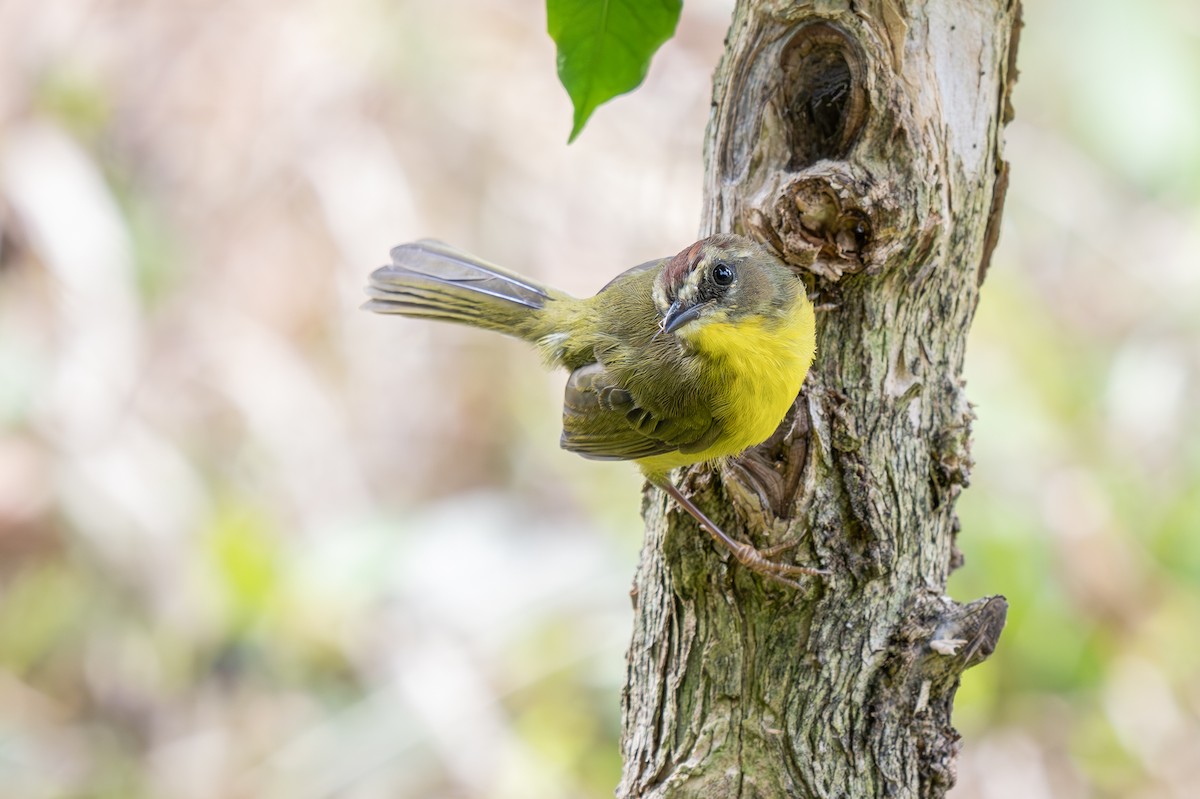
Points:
[(722, 277)]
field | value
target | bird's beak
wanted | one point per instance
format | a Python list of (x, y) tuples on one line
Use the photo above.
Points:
[(677, 316)]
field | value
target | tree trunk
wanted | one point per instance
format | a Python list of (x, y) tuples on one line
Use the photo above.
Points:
[(863, 141)]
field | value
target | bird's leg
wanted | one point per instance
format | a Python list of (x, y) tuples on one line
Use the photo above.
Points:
[(746, 554)]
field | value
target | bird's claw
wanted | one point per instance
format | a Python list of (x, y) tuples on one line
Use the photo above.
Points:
[(763, 563)]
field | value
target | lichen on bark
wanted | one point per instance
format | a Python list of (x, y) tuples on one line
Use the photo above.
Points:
[(862, 141)]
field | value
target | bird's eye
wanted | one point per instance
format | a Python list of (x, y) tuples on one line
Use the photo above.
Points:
[(723, 274)]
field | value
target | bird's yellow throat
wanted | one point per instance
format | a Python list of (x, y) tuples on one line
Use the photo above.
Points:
[(762, 361)]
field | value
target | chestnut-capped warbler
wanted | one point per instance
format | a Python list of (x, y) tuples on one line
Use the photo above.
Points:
[(677, 361)]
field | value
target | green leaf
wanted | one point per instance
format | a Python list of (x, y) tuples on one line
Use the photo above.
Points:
[(605, 46)]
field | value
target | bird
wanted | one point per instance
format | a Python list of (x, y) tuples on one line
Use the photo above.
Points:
[(685, 359)]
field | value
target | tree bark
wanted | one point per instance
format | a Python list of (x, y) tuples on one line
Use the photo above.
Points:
[(862, 140)]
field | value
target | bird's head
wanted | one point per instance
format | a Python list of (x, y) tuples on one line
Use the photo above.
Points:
[(723, 280)]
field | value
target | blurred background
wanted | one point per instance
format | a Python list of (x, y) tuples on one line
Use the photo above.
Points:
[(255, 543)]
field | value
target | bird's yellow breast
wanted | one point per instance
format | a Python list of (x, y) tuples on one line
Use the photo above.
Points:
[(764, 362), (758, 364)]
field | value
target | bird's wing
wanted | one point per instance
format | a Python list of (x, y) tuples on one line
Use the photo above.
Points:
[(604, 421)]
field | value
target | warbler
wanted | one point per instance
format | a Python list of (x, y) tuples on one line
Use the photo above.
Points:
[(677, 361)]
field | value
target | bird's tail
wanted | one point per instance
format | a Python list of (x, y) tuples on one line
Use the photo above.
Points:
[(431, 279)]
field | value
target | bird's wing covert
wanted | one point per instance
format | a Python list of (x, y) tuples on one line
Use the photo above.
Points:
[(604, 421)]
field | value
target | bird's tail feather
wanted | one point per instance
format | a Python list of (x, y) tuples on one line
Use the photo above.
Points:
[(431, 279)]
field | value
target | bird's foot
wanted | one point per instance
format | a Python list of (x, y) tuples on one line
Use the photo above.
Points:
[(763, 561), (760, 561)]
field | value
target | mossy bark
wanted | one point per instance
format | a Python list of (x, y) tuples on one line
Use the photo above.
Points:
[(862, 140)]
